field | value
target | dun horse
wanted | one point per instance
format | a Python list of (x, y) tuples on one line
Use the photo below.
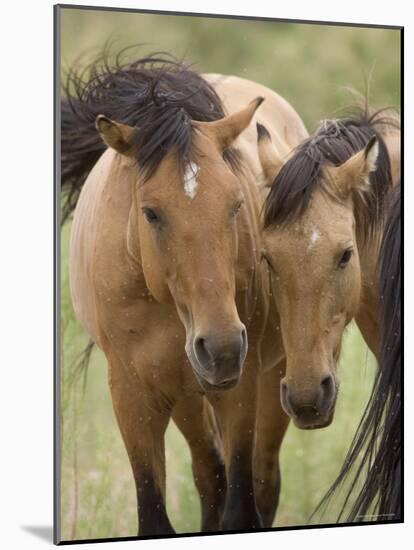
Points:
[(166, 275), (323, 224)]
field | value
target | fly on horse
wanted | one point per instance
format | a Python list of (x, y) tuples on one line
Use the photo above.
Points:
[(166, 275), (323, 222)]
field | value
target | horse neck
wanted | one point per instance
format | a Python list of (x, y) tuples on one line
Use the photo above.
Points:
[(368, 316), (132, 234), (251, 278), (254, 201), (367, 319), (119, 214)]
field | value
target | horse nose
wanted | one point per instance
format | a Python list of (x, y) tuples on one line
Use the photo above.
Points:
[(220, 357), (327, 392), (311, 408)]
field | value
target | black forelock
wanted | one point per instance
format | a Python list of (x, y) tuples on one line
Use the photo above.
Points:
[(333, 143)]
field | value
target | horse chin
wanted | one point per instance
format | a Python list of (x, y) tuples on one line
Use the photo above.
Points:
[(210, 387), (316, 423)]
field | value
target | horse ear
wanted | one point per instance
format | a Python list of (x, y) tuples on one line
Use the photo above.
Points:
[(269, 157), (227, 129), (354, 173), (115, 134)]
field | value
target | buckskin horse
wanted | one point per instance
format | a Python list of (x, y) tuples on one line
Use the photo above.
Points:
[(323, 225), (166, 275)]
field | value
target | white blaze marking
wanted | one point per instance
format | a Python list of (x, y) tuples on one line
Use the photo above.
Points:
[(190, 179), (314, 238)]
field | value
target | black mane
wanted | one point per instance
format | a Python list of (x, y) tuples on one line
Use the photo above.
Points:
[(158, 95), (334, 142)]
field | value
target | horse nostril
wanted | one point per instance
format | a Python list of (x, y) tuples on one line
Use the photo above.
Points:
[(201, 350), (243, 335), (220, 356), (327, 392), (327, 385), (284, 396)]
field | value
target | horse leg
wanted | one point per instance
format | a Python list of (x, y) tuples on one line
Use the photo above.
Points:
[(143, 418), (195, 419), (236, 411), (272, 423)]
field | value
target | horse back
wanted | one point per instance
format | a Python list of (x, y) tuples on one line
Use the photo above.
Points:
[(280, 118)]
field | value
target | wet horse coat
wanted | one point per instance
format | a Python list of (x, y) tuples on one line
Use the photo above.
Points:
[(145, 310)]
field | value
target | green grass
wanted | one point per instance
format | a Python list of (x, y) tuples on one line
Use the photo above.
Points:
[(310, 66)]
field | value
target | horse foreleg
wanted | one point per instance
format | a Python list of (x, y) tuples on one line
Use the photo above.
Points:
[(236, 410), (271, 426), (142, 418), (195, 419)]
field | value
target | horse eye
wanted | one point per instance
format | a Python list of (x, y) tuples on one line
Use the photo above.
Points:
[(150, 215), (346, 256), (236, 209)]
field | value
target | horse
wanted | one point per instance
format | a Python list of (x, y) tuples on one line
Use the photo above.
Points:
[(323, 222), (378, 437), (167, 279)]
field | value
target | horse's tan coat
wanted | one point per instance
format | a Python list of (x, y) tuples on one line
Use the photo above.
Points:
[(133, 303), (316, 300)]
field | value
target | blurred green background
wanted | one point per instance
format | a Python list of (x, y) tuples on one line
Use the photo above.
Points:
[(311, 66)]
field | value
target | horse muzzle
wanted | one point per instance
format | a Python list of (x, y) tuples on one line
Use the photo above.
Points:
[(217, 360), (313, 408)]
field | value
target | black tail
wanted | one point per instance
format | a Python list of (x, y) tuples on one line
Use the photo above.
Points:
[(377, 443)]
